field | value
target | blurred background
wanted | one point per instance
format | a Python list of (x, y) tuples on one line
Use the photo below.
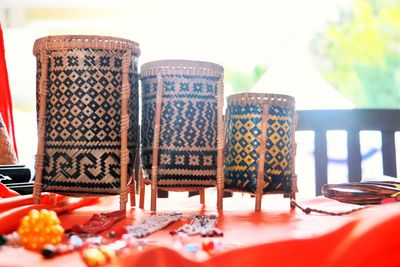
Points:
[(327, 54)]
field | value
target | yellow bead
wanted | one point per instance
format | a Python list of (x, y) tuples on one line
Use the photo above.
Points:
[(108, 252), (33, 214), (53, 217), (43, 216), (44, 212), (93, 257), (58, 229), (25, 220)]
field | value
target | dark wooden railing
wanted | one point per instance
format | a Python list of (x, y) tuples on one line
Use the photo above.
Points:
[(387, 121)]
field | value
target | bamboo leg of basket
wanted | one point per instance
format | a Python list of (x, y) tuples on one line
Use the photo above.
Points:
[(156, 143), (261, 158), (141, 189), (220, 144), (293, 192), (293, 162), (125, 94), (202, 196), (132, 188), (43, 91)]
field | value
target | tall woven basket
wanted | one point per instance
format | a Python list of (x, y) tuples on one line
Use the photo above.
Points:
[(182, 126), (87, 105), (260, 144)]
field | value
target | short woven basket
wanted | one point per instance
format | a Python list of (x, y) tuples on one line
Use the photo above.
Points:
[(260, 145)]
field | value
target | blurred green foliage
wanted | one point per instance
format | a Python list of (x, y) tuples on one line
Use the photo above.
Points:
[(360, 53), (243, 81)]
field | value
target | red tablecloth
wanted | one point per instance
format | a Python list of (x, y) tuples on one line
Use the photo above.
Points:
[(274, 237)]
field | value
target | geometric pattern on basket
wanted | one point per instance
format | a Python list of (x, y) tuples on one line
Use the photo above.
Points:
[(83, 142), (243, 145), (188, 134)]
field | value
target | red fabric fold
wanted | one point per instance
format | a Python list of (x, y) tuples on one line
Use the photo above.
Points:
[(5, 95), (6, 192)]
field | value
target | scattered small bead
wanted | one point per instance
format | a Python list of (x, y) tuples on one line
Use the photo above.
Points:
[(218, 246), (207, 245), (3, 240), (191, 248), (75, 241), (112, 234), (49, 251)]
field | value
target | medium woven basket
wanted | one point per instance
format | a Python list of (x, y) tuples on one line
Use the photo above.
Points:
[(87, 103), (182, 127), (260, 146)]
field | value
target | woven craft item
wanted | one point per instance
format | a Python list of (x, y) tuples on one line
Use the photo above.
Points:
[(182, 126), (7, 153), (260, 147), (87, 104)]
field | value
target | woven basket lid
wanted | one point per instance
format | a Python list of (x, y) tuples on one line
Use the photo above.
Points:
[(261, 98), (183, 67), (67, 42)]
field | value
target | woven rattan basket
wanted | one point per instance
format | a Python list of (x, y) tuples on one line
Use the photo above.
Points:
[(260, 145), (182, 126), (87, 104), (7, 153)]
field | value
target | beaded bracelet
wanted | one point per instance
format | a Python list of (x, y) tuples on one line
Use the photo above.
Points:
[(152, 224), (205, 225)]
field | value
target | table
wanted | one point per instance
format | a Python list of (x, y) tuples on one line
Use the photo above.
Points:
[(274, 237)]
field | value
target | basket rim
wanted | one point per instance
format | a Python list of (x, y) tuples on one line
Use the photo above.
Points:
[(181, 66), (67, 42), (261, 98)]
